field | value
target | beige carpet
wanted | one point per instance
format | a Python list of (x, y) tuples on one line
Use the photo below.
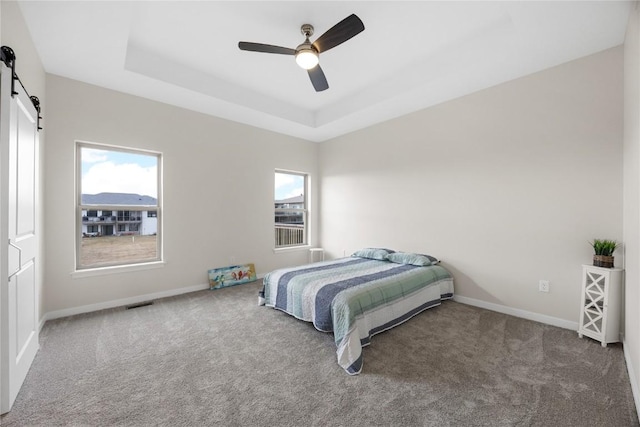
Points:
[(216, 358)]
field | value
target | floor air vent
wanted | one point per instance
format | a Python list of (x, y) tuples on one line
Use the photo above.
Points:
[(141, 304)]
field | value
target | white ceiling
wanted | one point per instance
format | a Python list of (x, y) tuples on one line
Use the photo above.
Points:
[(410, 56)]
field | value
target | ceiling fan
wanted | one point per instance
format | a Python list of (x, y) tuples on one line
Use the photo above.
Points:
[(307, 53)]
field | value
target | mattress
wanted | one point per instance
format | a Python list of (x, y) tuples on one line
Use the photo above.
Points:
[(355, 298)]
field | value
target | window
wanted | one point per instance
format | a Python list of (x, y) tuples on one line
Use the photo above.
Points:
[(291, 209), (116, 187), (152, 214)]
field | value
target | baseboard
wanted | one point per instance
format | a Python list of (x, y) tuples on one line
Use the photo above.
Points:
[(632, 377), (529, 315), (122, 302), (549, 320)]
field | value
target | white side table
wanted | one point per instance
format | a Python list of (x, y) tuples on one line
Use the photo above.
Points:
[(600, 306), (312, 252)]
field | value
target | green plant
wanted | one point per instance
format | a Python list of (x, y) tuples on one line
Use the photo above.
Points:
[(604, 247)]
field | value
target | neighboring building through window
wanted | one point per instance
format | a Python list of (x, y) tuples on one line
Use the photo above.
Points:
[(291, 209), (117, 188)]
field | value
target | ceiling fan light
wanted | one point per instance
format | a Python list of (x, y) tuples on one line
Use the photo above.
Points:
[(307, 59)]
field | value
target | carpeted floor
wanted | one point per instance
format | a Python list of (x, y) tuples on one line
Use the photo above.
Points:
[(216, 358)]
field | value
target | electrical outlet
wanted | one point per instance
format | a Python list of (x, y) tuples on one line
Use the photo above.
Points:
[(543, 286)]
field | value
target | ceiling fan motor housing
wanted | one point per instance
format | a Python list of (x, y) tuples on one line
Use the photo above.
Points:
[(306, 46), (306, 30)]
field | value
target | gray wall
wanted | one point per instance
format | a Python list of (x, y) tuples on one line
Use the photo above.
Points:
[(218, 190), (506, 185), (632, 198)]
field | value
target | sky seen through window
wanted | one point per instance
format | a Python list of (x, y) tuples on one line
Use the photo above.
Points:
[(110, 171), (288, 185)]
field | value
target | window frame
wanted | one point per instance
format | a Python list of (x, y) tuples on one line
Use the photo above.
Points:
[(305, 211), (158, 207)]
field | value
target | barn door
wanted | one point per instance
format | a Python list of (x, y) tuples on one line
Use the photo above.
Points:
[(18, 237)]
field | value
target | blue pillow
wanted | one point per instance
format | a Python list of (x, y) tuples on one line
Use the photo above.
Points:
[(373, 253), (409, 258)]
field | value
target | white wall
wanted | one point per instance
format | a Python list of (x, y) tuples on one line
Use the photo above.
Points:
[(632, 198), (506, 185), (218, 190), (14, 33)]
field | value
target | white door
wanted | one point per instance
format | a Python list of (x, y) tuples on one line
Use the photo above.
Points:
[(18, 261)]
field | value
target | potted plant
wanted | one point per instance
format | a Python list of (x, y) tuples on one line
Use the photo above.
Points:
[(603, 252)]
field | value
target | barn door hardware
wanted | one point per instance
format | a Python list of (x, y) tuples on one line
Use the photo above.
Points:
[(9, 58), (36, 103)]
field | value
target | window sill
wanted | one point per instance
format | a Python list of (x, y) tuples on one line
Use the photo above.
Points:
[(291, 249), (102, 271)]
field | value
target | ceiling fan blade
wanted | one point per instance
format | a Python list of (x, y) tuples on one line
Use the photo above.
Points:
[(339, 33), (266, 48), (318, 80)]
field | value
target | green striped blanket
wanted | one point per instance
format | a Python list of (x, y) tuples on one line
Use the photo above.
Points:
[(355, 298)]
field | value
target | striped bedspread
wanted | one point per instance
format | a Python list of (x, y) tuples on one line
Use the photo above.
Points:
[(355, 298)]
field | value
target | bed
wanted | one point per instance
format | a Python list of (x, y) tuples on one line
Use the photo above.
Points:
[(359, 296)]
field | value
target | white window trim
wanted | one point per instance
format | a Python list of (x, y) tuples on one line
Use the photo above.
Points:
[(282, 249), (306, 213), (118, 267), (114, 269)]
